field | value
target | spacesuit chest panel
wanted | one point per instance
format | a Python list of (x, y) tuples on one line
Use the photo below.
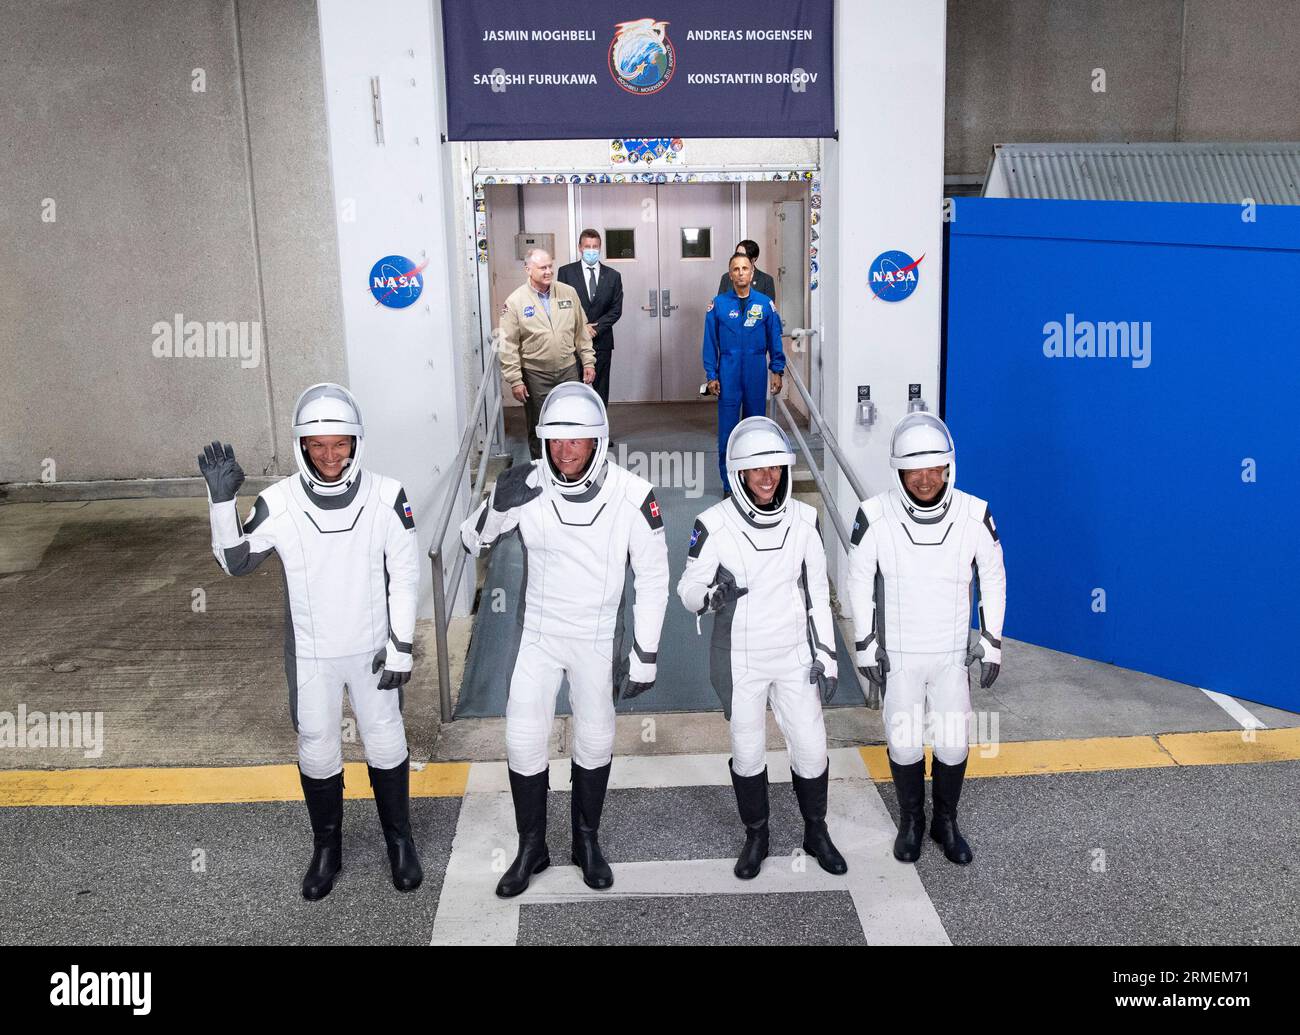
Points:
[(327, 521), (767, 561), (585, 514), (927, 576), (576, 560), (333, 564)]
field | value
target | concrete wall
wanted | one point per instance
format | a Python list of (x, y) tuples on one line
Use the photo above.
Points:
[(1022, 70), (294, 206), (1242, 77), (213, 203)]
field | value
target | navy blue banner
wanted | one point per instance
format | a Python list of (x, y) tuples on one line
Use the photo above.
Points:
[(519, 70)]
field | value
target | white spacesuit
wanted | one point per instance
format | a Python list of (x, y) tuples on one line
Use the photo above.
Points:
[(757, 560), (579, 532), (913, 569), (347, 545)]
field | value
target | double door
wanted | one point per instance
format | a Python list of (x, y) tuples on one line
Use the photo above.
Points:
[(670, 242)]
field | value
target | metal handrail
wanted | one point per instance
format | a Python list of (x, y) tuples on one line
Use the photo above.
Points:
[(872, 693), (827, 435), (831, 509), (443, 588)]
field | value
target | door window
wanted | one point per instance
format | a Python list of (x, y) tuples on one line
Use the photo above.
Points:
[(620, 244), (697, 242)]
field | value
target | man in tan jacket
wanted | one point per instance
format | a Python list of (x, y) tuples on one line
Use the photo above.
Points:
[(544, 340)]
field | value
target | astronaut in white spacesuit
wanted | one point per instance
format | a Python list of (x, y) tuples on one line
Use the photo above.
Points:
[(919, 552), (581, 519), (757, 561), (346, 540)]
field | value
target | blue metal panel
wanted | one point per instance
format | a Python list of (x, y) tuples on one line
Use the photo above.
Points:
[(1105, 474)]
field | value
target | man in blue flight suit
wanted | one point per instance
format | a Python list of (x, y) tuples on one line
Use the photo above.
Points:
[(742, 341)]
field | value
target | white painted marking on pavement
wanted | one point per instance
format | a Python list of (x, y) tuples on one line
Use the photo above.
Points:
[(892, 903), (890, 900), (684, 877), (666, 771), (1234, 708), (469, 912)]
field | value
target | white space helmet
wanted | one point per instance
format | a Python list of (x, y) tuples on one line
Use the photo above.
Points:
[(759, 442), (574, 410), (327, 409), (920, 439)]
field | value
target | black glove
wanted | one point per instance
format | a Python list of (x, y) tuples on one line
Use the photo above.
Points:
[(875, 673), (390, 680), (512, 489), (826, 684), (625, 688), (724, 591), (221, 471), (631, 688), (988, 669)]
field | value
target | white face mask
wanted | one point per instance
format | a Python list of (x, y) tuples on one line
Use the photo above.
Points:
[(591, 256)]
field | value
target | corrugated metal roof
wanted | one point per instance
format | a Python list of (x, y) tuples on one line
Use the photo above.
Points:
[(1222, 173)]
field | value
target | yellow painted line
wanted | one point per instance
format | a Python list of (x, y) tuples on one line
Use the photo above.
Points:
[(235, 784), (1100, 754), (203, 786), (1233, 746)]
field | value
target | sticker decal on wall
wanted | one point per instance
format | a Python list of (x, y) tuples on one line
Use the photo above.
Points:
[(893, 276), (396, 281)]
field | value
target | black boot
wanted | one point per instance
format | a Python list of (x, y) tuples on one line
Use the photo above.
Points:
[(946, 781), (909, 782), (325, 806), (588, 800), (751, 799), (529, 793), (816, 838), (392, 789)]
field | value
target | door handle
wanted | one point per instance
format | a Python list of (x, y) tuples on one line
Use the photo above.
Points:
[(653, 307), (668, 309)]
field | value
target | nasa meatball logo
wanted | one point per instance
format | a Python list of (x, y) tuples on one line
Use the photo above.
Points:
[(396, 281), (641, 57), (893, 276)]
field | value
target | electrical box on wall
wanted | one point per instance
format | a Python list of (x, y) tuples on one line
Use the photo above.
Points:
[(524, 241)]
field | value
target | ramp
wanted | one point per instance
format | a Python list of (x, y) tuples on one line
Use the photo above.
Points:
[(681, 430)]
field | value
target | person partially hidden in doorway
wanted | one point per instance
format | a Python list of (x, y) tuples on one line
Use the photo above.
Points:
[(763, 282), (600, 289)]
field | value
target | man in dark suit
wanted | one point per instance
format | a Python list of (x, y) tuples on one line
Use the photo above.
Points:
[(600, 289), (762, 282)]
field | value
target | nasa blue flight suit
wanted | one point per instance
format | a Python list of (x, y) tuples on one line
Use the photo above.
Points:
[(742, 340)]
